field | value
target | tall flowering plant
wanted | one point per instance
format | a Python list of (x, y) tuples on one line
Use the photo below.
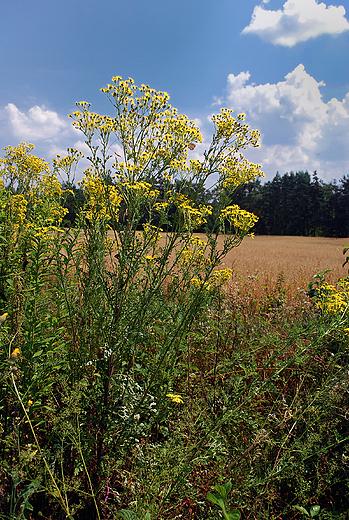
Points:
[(102, 312)]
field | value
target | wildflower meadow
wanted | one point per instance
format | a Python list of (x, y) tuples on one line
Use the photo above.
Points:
[(135, 383)]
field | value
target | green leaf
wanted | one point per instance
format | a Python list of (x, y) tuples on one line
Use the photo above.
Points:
[(314, 510), (227, 486), (147, 516), (221, 490), (233, 515), (38, 353), (302, 510), (215, 499), (127, 514)]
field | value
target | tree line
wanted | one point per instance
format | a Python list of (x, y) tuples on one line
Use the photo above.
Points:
[(292, 204), (298, 204)]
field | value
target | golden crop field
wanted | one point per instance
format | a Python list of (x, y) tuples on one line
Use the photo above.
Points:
[(297, 257), (262, 259)]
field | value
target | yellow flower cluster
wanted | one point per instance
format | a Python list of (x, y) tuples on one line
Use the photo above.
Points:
[(20, 169), (45, 198), (200, 284), (103, 200), (195, 257), (150, 130), (142, 189), (241, 220), (332, 300), (32, 202), (221, 276), (175, 398), (15, 208), (226, 127), (151, 233), (218, 277), (90, 123), (161, 206), (150, 258), (42, 232), (197, 241), (67, 163), (236, 170), (193, 217)]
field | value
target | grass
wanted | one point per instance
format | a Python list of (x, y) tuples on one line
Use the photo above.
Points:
[(263, 379)]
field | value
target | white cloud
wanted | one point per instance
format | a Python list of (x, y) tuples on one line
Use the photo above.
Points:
[(37, 123), (46, 129), (299, 129), (298, 21), (216, 101), (236, 82)]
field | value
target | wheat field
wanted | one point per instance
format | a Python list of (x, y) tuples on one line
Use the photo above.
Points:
[(262, 259), (298, 258)]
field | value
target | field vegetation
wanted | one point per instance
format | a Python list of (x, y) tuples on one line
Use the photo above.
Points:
[(264, 259), (148, 371)]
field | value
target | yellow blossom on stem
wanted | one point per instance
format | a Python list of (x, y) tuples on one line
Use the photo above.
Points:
[(175, 398), (15, 354), (221, 276), (200, 284), (3, 318), (332, 300), (103, 200), (241, 220)]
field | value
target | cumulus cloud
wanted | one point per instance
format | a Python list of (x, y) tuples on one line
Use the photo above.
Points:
[(37, 123), (50, 133), (298, 21), (299, 129)]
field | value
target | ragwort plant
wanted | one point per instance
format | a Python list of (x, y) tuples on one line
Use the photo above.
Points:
[(100, 314)]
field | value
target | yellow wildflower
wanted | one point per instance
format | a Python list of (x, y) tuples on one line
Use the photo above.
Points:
[(15, 354), (331, 300), (103, 201), (199, 283), (3, 318), (240, 219), (221, 275), (175, 398)]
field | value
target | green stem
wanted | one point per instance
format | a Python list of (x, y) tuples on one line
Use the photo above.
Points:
[(60, 498)]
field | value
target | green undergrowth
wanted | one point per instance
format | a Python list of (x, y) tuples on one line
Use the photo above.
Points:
[(264, 400)]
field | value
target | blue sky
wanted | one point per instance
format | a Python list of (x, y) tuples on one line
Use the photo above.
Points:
[(285, 63)]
